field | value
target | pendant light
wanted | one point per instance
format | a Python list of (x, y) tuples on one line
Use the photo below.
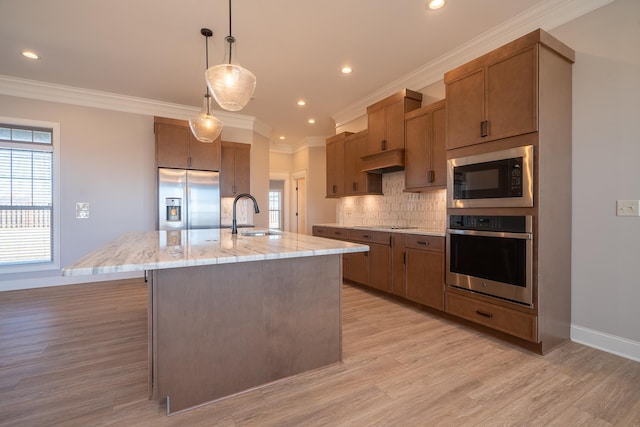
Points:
[(204, 126), (231, 85)]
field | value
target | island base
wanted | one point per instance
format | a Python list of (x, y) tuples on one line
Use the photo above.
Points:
[(218, 330)]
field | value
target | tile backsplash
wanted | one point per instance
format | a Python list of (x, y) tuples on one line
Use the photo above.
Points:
[(244, 211), (424, 210)]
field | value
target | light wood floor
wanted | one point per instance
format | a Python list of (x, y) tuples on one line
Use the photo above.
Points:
[(77, 355)]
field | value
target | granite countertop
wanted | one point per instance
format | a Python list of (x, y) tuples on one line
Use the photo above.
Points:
[(153, 250), (390, 228)]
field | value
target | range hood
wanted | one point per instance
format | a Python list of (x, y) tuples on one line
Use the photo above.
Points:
[(383, 162)]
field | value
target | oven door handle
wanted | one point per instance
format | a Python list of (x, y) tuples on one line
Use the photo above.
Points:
[(504, 235)]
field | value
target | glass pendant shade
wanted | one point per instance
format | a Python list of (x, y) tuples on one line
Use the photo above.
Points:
[(232, 86), (204, 126)]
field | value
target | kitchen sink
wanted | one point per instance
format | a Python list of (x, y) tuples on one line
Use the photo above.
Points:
[(257, 233)]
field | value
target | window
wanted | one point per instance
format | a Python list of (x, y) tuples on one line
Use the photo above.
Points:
[(275, 210), (26, 195)]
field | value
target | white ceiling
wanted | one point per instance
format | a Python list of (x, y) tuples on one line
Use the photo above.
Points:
[(154, 49)]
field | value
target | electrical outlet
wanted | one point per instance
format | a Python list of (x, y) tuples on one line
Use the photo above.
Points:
[(628, 207)]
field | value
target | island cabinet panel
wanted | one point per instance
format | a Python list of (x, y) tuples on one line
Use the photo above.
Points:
[(386, 121), (235, 173), (222, 329), (425, 155), (177, 148)]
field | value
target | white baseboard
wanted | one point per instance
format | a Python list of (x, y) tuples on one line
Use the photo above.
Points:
[(44, 282), (610, 343)]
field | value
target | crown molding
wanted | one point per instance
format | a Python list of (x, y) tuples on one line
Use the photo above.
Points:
[(275, 147), (546, 15), (42, 91)]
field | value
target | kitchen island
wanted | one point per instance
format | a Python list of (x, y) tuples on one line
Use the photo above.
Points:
[(228, 313)]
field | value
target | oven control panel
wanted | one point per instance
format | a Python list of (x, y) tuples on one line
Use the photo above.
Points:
[(497, 223)]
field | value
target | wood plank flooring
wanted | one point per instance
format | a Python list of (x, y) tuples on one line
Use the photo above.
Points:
[(77, 356)]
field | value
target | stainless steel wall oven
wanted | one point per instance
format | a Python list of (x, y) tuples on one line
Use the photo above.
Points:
[(492, 255)]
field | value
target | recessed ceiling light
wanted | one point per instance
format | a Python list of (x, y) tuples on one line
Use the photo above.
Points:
[(30, 54), (435, 4), (346, 70), (302, 102), (282, 137), (311, 121)]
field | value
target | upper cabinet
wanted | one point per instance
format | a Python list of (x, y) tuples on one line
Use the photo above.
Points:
[(335, 164), (496, 96), (176, 147), (344, 166), (235, 173), (385, 143), (425, 155), (356, 181)]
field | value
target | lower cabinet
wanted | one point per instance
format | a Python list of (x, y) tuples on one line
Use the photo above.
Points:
[(516, 323), (425, 270), (408, 265)]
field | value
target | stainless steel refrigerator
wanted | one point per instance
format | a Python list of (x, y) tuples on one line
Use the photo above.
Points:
[(188, 199)]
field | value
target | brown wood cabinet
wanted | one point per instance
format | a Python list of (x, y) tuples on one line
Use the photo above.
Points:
[(386, 121), (496, 96), (235, 173), (357, 182), (425, 270), (336, 164), (176, 147), (516, 95), (425, 155)]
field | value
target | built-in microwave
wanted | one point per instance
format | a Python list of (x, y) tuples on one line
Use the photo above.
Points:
[(497, 179)]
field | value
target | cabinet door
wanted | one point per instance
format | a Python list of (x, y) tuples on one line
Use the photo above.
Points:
[(425, 277), (394, 123), (418, 151), (377, 127), (172, 146), (465, 110), (204, 156), (397, 264), (242, 168), (358, 270), (353, 183), (438, 150), (512, 94), (227, 170), (380, 266), (335, 167)]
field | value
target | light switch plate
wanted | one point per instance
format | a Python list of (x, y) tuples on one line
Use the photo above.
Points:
[(82, 210), (628, 207)]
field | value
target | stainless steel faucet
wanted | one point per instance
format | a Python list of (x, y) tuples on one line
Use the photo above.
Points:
[(234, 224)]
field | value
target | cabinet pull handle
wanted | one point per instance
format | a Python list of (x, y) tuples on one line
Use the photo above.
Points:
[(430, 176), (334, 188), (338, 233), (484, 125), (383, 144), (404, 257), (189, 161), (354, 186), (422, 242), (366, 236), (483, 314)]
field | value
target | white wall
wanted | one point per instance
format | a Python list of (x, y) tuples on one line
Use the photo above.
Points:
[(606, 154), (107, 159)]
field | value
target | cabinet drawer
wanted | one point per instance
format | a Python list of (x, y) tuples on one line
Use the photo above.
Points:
[(512, 322), (370, 236), (425, 243), (330, 232)]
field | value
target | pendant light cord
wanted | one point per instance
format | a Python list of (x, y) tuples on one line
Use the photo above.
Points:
[(206, 48), (230, 39)]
